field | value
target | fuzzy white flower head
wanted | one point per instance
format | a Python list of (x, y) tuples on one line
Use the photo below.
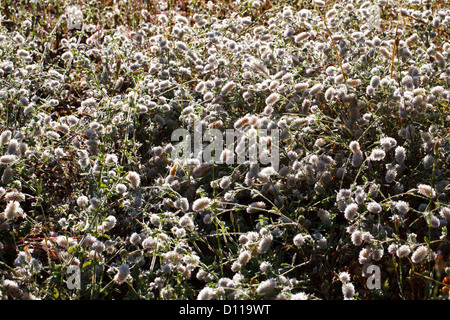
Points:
[(256, 206), (375, 81), (88, 240), (319, 3), (266, 287), (236, 266), (357, 158), (201, 204), (426, 190), (354, 82), (192, 261), (182, 204), (225, 182), (377, 154), (265, 266), (264, 244), (272, 99), (227, 87), (134, 179), (244, 257), (344, 277), (12, 210), (7, 175), (266, 172), (403, 251), (390, 175), (402, 206), (420, 254), (320, 142), (351, 211), (110, 159), (388, 143), (5, 137), (300, 296), (121, 188), (8, 159), (348, 290), (67, 56), (392, 249), (268, 110), (108, 223), (149, 243), (400, 154), (299, 240), (11, 286), (364, 256), (316, 89), (374, 207), (82, 201), (62, 241), (206, 293), (74, 17), (445, 213), (135, 239), (354, 146), (123, 274), (437, 91), (357, 238), (186, 221)]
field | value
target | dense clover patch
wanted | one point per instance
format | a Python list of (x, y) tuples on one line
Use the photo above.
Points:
[(91, 95)]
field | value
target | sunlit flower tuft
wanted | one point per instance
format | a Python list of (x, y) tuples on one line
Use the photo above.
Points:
[(201, 204), (134, 179)]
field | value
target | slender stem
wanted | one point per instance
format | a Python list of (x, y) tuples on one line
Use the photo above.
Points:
[(332, 42), (393, 51)]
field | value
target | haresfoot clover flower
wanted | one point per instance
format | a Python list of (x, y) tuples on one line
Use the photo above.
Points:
[(348, 291), (377, 154), (420, 254), (134, 179), (426, 190), (13, 210), (201, 204), (123, 274)]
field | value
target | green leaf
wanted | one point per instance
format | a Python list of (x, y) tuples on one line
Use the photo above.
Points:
[(55, 293)]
